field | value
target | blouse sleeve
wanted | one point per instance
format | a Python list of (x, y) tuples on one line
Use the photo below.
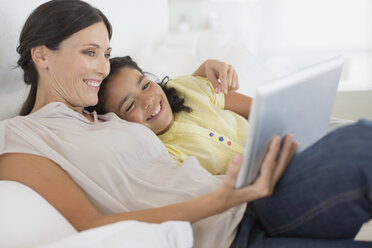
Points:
[(195, 88), (2, 137)]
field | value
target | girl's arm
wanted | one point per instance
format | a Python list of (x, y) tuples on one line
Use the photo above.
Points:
[(238, 103), (55, 185)]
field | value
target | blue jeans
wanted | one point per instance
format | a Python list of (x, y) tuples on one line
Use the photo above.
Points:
[(323, 198)]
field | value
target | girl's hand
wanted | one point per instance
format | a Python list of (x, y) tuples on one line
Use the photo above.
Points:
[(274, 165), (222, 75)]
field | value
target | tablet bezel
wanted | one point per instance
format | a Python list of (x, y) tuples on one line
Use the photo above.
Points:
[(279, 108)]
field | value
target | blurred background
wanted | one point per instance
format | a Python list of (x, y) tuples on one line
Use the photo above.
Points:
[(262, 39), (284, 35)]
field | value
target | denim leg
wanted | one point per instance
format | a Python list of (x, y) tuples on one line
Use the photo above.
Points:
[(252, 235), (326, 193)]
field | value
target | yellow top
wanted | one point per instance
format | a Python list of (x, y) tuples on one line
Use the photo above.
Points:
[(210, 133)]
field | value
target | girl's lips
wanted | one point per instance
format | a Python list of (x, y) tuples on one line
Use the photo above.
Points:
[(158, 114)]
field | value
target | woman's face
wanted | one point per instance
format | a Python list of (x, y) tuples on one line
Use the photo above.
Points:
[(78, 67), (135, 98)]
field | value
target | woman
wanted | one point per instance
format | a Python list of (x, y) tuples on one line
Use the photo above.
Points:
[(99, 170)]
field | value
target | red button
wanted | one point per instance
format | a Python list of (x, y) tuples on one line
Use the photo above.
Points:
[(228, 143)]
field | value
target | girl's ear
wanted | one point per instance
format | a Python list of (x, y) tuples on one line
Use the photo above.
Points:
[(38, 55)]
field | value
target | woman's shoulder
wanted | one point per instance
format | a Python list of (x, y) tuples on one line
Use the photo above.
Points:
[(49, 110), (7, 123), (6, 131)]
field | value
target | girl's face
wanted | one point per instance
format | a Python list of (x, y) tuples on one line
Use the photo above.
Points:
[(135, 98), (76, 70)]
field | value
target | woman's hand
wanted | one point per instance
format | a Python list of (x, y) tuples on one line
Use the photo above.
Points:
[(222, 75), (274, 165)]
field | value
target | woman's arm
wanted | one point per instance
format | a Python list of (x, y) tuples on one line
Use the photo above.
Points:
[(214, 70), (55, 185), (222, 75), (238, 103)]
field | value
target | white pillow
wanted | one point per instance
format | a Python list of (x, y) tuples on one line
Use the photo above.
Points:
[(27, 219), (131, 234)]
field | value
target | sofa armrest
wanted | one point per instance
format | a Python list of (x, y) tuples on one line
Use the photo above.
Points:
[(27, 219), (353, 105)]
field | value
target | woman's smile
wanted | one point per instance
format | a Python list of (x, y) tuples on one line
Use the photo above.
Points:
[(93, 83)]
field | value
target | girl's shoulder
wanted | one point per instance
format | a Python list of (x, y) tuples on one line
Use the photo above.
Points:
[(192, 84)]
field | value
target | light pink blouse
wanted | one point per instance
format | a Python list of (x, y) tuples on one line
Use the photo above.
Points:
[(121, 166)]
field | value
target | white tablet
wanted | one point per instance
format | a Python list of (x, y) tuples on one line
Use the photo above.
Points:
[(299, 104)]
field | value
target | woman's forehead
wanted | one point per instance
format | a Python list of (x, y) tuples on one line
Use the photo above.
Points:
[(95, 34)]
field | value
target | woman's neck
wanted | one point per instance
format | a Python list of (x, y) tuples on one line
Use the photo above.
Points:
[(45, 96)]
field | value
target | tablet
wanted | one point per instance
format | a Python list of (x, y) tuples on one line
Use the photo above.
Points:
[(298, 104)]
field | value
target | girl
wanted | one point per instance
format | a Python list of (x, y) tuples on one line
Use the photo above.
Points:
[(186, 113)]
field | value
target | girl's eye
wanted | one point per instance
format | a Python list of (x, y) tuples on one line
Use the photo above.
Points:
[(130, 107), (146, 86), (90, 53), (107, 55)]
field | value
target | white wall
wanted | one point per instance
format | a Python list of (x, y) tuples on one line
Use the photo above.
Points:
[(287, 35)]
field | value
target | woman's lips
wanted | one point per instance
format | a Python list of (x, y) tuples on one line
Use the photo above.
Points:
[(92, 83)]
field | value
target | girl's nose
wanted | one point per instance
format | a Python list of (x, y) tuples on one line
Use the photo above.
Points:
[(147, 100)]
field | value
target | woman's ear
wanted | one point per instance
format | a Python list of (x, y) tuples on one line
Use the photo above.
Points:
[(38, 55)]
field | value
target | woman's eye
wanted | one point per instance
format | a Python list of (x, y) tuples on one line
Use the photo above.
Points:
[(130, 107), (90, 53), (107, 55), (146, 86)]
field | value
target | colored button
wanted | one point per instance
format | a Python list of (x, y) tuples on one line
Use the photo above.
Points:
[(211, 134), (221, 138), (228, 143)]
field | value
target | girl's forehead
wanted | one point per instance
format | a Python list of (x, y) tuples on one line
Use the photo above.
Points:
[(123, 82), (128, 76)]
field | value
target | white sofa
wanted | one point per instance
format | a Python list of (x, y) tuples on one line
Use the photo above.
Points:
[(26, 219)]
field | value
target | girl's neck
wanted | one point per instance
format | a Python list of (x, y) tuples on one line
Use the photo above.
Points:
[(168, 127)]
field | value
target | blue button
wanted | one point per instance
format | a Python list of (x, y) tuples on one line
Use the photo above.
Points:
[(211, 134), (221, 138)]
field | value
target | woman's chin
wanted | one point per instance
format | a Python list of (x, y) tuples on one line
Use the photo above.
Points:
[(91, 102)]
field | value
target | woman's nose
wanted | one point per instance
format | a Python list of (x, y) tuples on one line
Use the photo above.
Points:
[(103, 66)]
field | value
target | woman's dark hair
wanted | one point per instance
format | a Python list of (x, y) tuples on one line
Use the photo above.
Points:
[(118, 63), (49, 25)]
